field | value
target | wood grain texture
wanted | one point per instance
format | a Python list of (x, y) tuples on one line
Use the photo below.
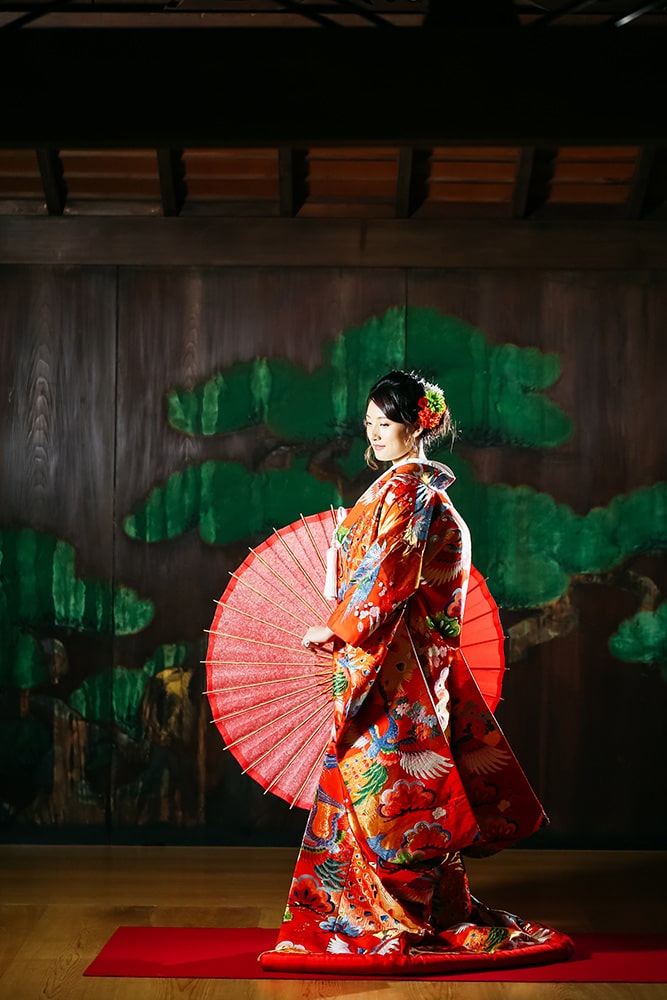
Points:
[(581, 721), (57, 373), (177, 328), (59, 905), (302, 242)]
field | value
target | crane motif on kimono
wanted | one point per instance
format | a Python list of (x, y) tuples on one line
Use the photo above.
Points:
[(383, 748)]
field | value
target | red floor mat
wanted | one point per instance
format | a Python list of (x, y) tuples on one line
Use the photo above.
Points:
[(231, 953)]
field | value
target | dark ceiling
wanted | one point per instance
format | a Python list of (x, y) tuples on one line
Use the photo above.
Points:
[(470, 110), (330, 13)]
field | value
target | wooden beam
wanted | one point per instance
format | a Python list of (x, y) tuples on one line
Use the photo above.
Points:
[(219, 242), (55, 189), (649, 184), (172, 184), (523, 182), (531, 185), (540, 88), (292, 179), (412, 180)]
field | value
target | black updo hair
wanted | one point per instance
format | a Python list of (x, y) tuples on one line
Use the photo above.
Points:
[(397, 394)]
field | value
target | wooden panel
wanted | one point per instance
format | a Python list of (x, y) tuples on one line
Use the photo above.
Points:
[(469, 193), (560, 698), (352, 168), (109, 162), (257, 163), (113, 174), (232, 189), (360, 153), (304, 243), (352, 189), (21, 187), (347, 209), (604, 172), (599, 153), (466, 170), (177, 328), (588, 194), (19, 174), (57, 392), (58, 383)]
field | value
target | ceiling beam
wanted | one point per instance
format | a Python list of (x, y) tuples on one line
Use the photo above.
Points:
[(304, 87), (53, 181), (292, 180), (533, 176), (172, 183), (412, 180)]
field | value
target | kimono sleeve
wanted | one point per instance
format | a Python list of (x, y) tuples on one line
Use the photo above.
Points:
[(389, 572)]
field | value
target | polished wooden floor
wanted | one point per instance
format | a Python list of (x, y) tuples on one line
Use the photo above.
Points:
[(59, 905)]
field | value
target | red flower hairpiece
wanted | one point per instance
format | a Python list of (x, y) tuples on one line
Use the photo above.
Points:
[(432, 407)]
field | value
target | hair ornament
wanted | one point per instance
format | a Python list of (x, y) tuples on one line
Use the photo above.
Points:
[(432, 406)]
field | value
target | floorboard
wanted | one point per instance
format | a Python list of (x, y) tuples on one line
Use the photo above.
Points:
[(59, 904)]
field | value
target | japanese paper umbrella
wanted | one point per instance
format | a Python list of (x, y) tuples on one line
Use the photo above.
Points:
[(270, 698)]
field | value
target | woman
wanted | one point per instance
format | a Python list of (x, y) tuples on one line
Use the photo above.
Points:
[(417, 770)]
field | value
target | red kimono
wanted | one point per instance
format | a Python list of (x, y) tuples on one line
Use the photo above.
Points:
[(417, 769)]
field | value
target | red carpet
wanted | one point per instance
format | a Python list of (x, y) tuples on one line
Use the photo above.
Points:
[(231, 953)]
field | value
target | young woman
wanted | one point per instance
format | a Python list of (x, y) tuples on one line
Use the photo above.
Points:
[(417, 770)]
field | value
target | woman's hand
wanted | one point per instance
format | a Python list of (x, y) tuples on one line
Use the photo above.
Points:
[(317, 635)]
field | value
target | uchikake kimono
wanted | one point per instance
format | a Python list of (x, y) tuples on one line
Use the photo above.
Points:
[(417, 770)]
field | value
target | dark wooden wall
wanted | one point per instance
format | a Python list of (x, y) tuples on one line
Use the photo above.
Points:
[(87, 354)]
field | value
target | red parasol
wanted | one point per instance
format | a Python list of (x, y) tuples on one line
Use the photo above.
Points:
[(271, 698)]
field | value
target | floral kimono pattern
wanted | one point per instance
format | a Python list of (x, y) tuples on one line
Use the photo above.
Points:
[(417, 770)]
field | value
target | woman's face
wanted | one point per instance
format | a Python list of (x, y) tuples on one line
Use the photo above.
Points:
[(389, 440)]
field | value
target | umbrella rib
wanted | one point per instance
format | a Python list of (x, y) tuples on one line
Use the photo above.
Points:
[(306, 575), (310, 773), (324, 676), (266, 753), (313, 543), (315, 732), (264, 597), (476, 669), (286, 584), (263, 704), (263, 621), (322, 653), (245, 638), (483, 642), (320, 681), (271, 722), (468, 621), (269, 663)]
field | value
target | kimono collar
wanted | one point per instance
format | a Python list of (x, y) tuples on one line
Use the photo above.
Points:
[(444, 478)]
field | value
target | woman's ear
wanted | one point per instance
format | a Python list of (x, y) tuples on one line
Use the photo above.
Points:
[(418, 429)]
